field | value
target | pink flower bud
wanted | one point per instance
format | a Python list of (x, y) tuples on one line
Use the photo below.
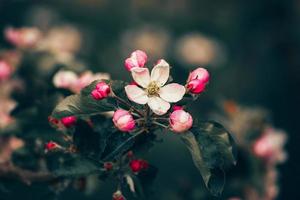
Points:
[(68, 121), (123, 120), (23, 37), (176, 107), (5, 70), (200, 74), (101, 91), (197, 80), (180, 121), (138, 165), (137, 58), (196, 86), (49, 146)]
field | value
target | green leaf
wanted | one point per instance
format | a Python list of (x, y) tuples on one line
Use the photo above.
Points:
[(84, 105), (118, 144), (213, 150)]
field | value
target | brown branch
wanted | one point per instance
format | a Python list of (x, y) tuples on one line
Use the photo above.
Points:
[(8, 170)]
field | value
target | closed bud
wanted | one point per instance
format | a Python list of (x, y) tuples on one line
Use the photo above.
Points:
[(138, 165), (196, 86), (123, 120), (197, 80), (137, 58), (50, 146), (180, 121), (68, 121), (101, 91)]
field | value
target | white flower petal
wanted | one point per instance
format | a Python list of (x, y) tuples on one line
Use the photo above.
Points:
[(141, 76), (136, 94), (160, 73), (172, 92), (158, 105)]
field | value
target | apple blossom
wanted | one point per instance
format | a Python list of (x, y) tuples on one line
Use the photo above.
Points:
[(68, 121), (197, 80), (101, 91), (154, 93), (123, 120), (137, 58), (65, 79), (180, 121), (270, 146)]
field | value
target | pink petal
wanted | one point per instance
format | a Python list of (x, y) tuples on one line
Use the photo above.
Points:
[(136, 94), (158, 105), (160, 73), (172, 92), (141, 76)]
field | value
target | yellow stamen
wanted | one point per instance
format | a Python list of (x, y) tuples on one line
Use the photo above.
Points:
[(153, 89)]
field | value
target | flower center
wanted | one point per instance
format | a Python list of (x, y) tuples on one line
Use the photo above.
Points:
[(153, 89)]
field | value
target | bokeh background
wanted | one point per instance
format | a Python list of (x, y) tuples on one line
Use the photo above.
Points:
[(251, 48)]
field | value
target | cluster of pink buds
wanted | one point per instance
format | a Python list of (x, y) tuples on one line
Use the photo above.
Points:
[(5, 70), (152, 89)]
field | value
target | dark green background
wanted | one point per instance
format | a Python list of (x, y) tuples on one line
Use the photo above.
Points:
[(262, 38)]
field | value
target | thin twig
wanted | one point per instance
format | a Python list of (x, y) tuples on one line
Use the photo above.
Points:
[(159, 124), (8, 170), (160, 118)]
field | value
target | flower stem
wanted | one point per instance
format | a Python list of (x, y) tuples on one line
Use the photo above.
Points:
[(160, 118), (160, 124)]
